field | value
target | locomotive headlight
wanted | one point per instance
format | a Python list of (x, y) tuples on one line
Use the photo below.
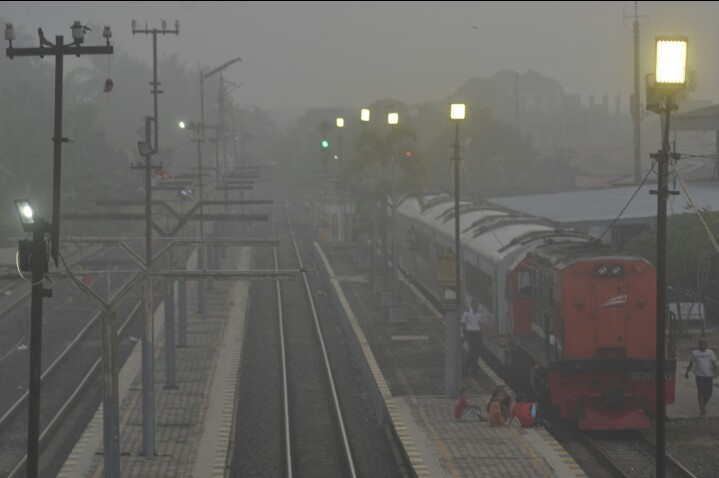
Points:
[(617, 270), (602, 270)]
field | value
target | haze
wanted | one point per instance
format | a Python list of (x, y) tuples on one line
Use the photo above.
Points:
[(299, 55)]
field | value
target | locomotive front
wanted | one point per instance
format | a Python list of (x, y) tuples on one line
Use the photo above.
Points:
[(605, 328)]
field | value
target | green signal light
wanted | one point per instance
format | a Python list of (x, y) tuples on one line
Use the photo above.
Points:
[(325, 144)]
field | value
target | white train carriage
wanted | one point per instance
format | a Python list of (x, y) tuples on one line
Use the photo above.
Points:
[(493, 241)]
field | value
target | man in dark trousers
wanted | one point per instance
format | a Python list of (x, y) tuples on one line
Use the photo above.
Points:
[(704, 362), (472, 333)]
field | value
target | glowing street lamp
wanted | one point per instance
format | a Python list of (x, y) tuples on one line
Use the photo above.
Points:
[(364, 115), (670, 72), (27, 217), (452, 352), (392, 121), (669, 79)]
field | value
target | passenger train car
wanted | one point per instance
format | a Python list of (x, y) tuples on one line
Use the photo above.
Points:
[(570, 316)]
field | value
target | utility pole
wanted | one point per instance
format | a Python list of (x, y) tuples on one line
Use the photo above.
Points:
[(636, 111), (147, 344), (154, 82), (148, 359), (220, 126), (59, 49)]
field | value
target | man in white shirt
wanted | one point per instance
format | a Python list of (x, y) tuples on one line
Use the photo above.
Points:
[(704, 362), (471, 331)]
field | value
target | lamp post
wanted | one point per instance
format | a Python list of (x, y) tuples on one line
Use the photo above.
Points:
[(341, 124), (33, 257), (154, 82), (393, 120), (669, 79), (38, 256), (364, 118), (453, 355), (198, 137)]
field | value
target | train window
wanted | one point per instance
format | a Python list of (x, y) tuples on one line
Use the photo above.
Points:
[(524, 284)]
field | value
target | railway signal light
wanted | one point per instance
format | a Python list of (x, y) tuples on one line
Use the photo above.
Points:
[(325, 144)]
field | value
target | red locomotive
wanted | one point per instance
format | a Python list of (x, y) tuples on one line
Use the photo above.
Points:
[(570, 316)]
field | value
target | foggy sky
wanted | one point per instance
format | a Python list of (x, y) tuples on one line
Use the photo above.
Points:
[(298, 55)]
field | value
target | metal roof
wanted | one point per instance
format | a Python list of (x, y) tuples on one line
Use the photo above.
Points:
[(602, 206), (702, 119)]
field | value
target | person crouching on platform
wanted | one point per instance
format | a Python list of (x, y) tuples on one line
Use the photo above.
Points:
[(463, 408), (501, 404)]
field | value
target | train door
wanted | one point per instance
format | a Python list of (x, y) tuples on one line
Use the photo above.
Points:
[(520, 297), (611, 314)]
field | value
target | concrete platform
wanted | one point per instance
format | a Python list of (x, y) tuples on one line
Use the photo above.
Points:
[(193, 421), (406, 363)]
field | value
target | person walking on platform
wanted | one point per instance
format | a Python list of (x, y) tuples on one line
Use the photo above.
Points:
[(704, 362), (472, 333), (463, 408)]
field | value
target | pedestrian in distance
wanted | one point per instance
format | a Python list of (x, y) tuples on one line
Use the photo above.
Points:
[(703, 360), (472, 333), (463, 408)]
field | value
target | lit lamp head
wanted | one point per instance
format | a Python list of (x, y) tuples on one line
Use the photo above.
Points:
[(27, 214), (392, 118), (456, 111), (364, 115), (340, 122), (182, 125), (670, 71)]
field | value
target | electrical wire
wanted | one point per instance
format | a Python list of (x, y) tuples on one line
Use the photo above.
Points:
[(609, 227), (696, 211), (72, 276)]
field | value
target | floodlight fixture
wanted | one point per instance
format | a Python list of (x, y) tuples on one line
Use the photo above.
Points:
[(182, 125), (670, 70), (364, 115), (144, 148), (27, 214), (340, 122), (392, 118), (456, 111)]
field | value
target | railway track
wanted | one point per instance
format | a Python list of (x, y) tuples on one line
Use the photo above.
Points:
[(289, 421), (71, 388), (629, 455), (317, 442)]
